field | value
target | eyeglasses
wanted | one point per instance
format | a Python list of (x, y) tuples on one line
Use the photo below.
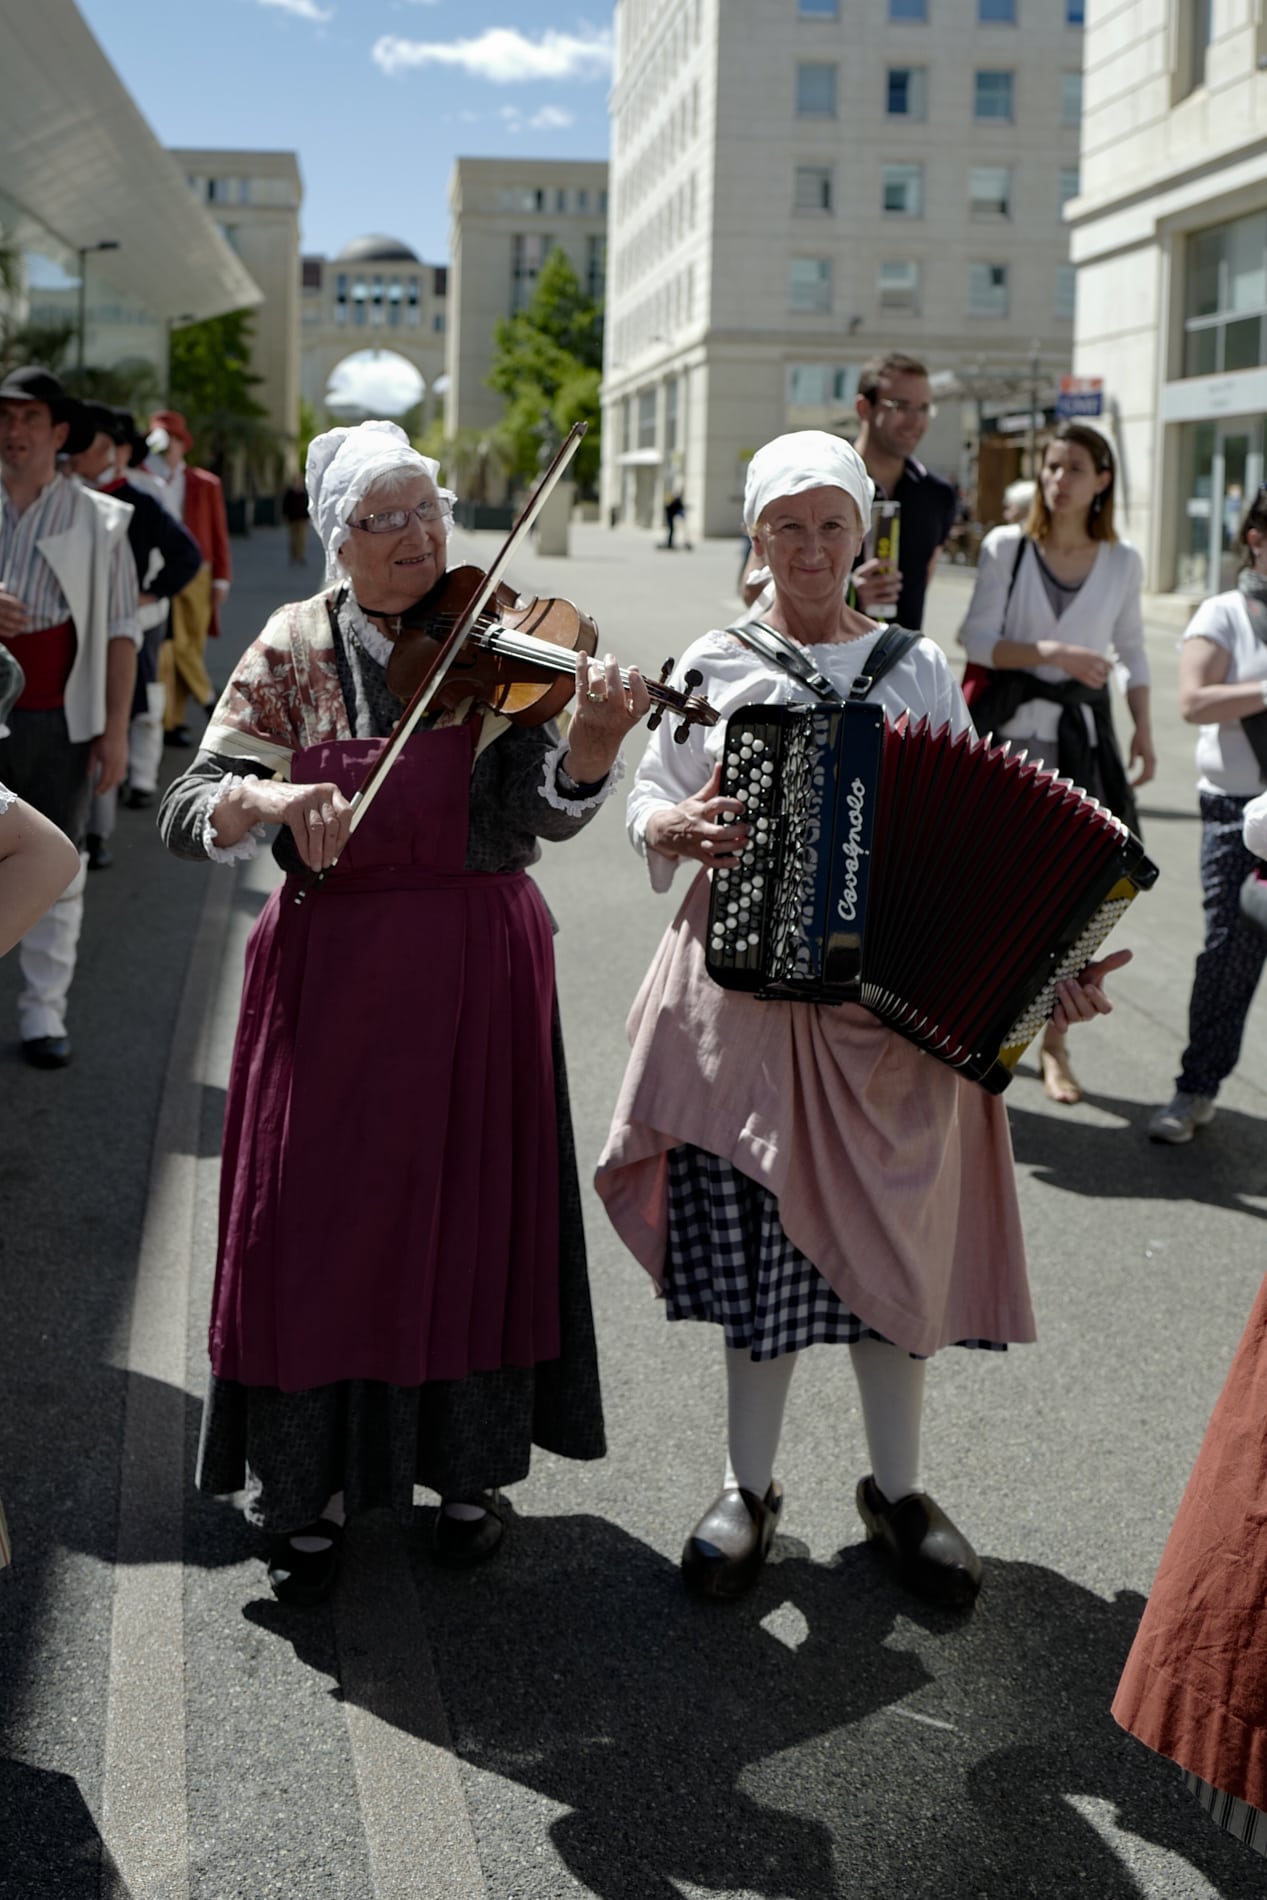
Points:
[(396, 520), (896, 407)]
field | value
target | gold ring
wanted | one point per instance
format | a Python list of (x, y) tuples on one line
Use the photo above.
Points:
[(596, 699)]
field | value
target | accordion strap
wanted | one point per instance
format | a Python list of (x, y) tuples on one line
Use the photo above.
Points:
[(893, 645)]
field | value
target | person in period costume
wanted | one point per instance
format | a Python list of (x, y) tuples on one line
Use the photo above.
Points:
[(167, 558), (1054, 602), (68, 594), (401, 1293), (794, 1172), (196, 498), (1223, 690), (37, 861)]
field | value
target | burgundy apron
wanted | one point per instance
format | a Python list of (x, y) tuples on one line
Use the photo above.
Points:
[(389, 1191)]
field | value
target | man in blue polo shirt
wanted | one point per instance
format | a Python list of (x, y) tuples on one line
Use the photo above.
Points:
[(894, 404)]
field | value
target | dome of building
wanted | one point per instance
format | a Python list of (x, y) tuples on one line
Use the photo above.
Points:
[(377, 249)]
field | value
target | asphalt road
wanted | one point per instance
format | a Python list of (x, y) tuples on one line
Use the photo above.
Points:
[(566, 1722)]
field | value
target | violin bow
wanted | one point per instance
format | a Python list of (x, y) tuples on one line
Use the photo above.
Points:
[(431, 681)]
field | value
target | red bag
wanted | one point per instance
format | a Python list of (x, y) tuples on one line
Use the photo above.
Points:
[(975, 680)]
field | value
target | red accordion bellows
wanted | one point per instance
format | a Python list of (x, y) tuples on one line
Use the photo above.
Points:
[(943, 883)]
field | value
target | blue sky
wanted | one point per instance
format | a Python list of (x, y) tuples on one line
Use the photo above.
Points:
[(378, 97)]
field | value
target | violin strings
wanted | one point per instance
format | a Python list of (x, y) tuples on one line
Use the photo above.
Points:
[(541, 652)]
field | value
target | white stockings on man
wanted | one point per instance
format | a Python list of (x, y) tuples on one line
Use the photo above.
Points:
[(890, 1386)]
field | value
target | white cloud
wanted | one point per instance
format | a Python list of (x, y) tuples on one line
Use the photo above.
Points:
[(552, 118), (302, 9), (501, 54)]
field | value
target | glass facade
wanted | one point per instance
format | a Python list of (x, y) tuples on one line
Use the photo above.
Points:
[(1225, 302)]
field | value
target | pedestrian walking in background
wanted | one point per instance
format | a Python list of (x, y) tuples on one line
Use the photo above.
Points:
[(1223, 689), (295, 515), (895, 406), (196, 498), (794, 1172), (674, 511), (401, 1293), (167, 559), (68, 597), (1054, 603)]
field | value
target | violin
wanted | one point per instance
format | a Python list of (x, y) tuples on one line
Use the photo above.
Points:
[(519, 658)]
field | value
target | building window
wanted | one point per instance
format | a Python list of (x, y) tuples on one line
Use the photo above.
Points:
[(1068, 185), (595, 267), (907, 92), (1071, 98), (1066, 289), (996, 12), (903, 191), (816, 90), (987, 290), (527, 255), (819, 9), (560, 199), (899, 284), (646, 418), (1075, 12), (990, 191), (602, 204), (908, 9), (1225, 298), (813, 188), (807, 385), (437, 323), (440, 280), (809, 284), (992, 95)]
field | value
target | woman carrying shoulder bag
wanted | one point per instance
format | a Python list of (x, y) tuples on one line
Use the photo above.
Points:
[(1223, 689), (1055, 603)]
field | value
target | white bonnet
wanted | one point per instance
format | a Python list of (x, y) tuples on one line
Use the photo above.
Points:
[(344, 464), (808, 458)]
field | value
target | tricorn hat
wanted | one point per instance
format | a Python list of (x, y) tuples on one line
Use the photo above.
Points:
[(35, 384)]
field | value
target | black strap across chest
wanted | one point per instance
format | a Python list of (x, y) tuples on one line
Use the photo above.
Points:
[(893, 645)]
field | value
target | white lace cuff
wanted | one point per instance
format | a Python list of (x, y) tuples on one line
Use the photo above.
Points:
[(7, 797), (549, 787), (247, 847)]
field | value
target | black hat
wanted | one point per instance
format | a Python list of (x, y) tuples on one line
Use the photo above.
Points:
[(33, 384), (102, 418), (131, 436)]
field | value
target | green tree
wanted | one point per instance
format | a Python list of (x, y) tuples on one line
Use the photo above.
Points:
[(211, 382), (547, 364)]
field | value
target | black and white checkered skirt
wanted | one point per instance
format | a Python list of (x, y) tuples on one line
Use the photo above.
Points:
[(728, 1260)]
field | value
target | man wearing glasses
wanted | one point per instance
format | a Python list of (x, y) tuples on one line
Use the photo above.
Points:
[(895, 406)]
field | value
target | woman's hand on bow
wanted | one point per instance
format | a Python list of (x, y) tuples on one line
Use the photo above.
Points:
[(606, 707), (694, 829), (1081, 998), (319, 817)]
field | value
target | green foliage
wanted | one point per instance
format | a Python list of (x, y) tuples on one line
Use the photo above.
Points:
[(547, 364), (132, 384), (210, 382)]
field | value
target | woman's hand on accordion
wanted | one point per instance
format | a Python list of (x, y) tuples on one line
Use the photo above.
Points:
[(1081, 998), (694, 829)]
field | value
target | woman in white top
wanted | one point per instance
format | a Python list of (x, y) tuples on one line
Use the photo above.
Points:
[(796, 1172), (1055, 602), (1223, 689)]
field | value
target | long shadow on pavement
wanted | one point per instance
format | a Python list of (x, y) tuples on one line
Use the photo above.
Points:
[(821, 1738)]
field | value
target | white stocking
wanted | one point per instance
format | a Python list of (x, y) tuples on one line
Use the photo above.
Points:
[(756, 1394), (891, 1387)]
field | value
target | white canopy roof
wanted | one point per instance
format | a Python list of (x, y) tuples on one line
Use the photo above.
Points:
[(77, 157)]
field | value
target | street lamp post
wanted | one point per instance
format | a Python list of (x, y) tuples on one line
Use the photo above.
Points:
[(85, 250)]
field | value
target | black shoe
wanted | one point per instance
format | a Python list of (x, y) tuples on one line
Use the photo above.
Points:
[(136, 799), (100, 856), (723, 1555), (462, 1542), (305, 1577), (930, 1554), (178, 736), (47, 1052)]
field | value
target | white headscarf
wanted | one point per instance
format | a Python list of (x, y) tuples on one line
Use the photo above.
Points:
[(808, 458), (343, 465)]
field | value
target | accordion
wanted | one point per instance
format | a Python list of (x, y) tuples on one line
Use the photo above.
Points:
[(943, 883)]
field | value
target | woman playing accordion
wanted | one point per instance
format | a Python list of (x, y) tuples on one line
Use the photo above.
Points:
[(793, 1171)]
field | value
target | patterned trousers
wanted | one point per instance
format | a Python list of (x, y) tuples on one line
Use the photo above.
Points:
[(1231, 963)]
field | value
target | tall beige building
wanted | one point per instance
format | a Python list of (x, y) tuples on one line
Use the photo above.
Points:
[(1169, 234), (797, 185), (507, 215), (377, 295), (254, 199)]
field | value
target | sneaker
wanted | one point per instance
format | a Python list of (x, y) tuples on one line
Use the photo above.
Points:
[(1180, 1119)]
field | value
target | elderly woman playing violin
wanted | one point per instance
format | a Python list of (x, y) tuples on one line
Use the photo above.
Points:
[(797, 1173), (401, 1294)]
